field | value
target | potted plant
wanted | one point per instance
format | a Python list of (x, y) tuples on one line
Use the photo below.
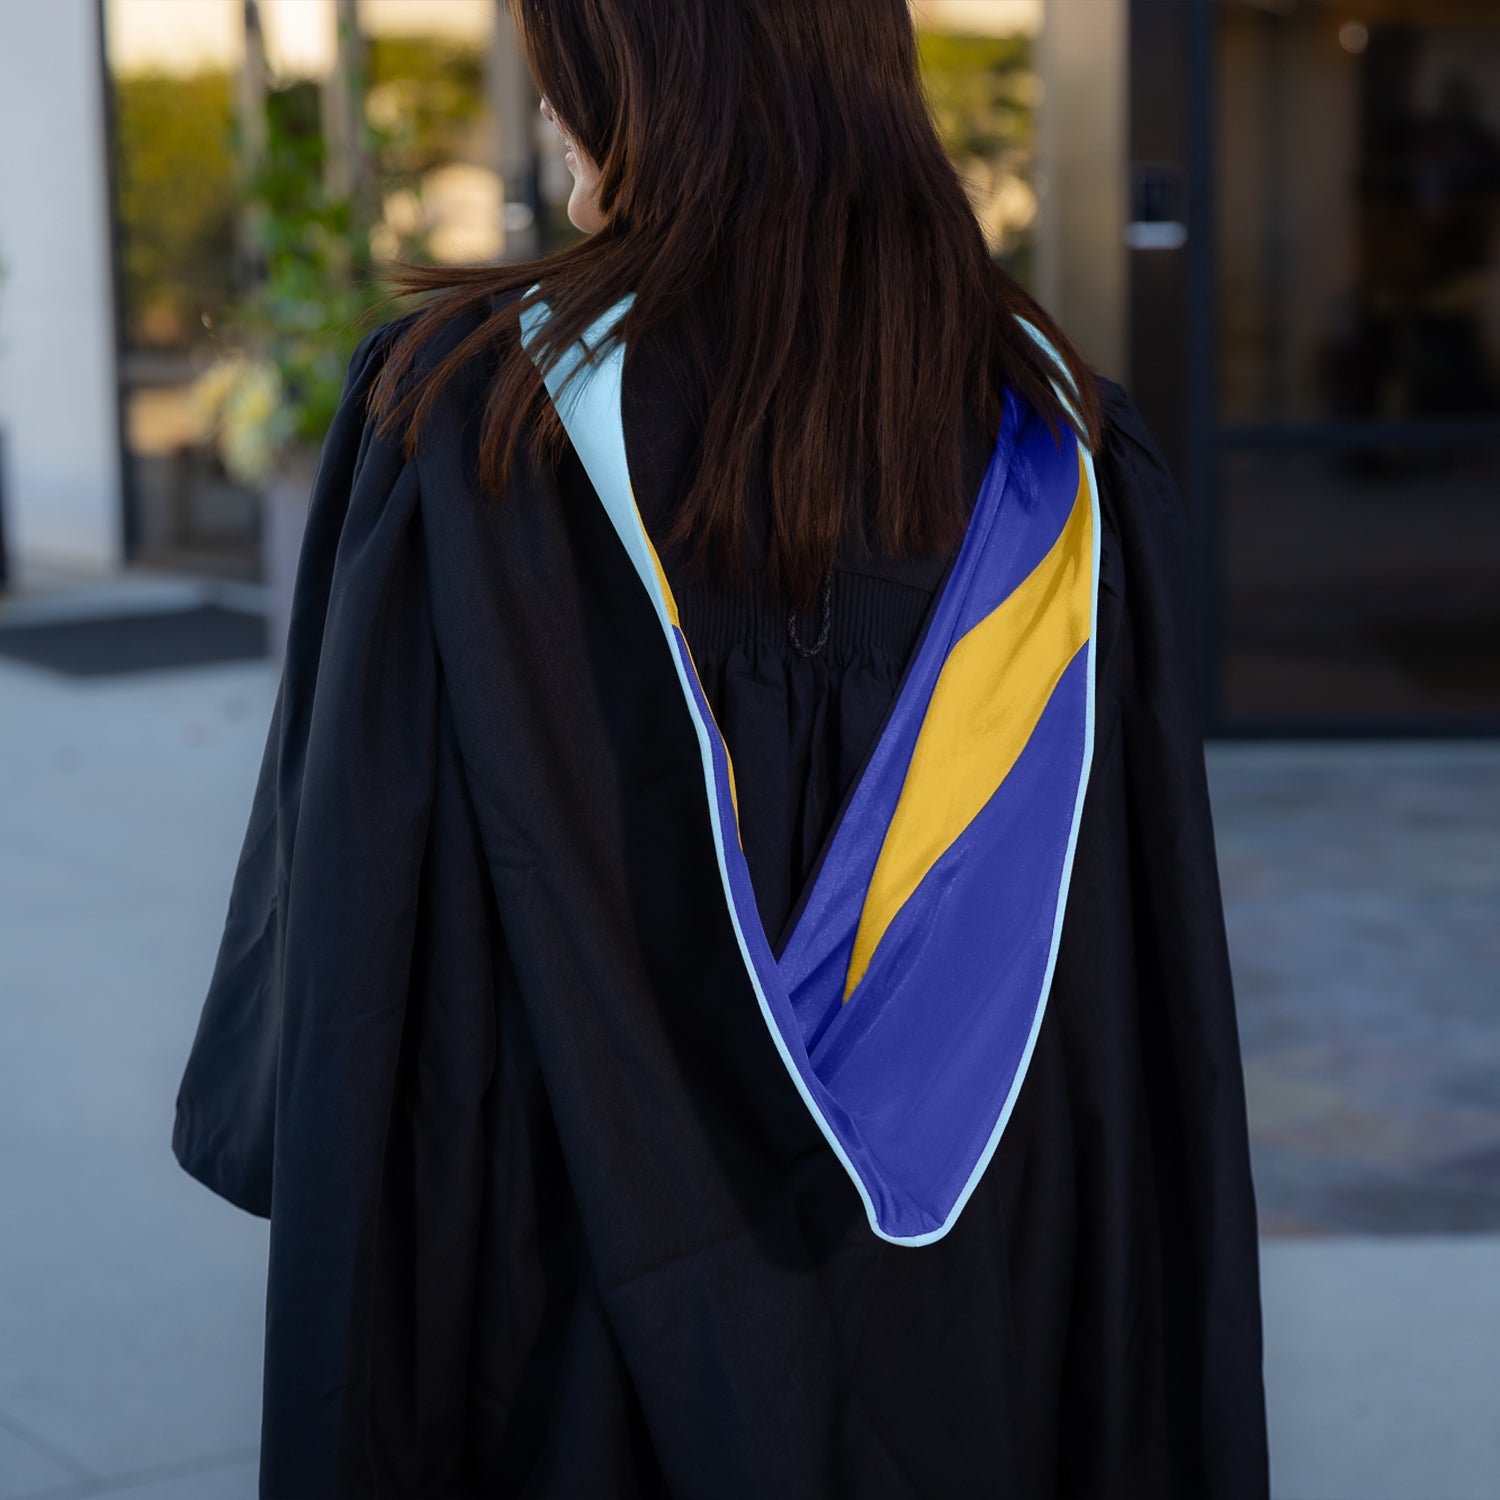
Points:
[(267, 402)]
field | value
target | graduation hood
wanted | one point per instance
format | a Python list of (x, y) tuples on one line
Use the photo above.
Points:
[(906, 1003)]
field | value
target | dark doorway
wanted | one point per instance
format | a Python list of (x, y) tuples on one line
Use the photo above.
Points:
[(1321, 356)]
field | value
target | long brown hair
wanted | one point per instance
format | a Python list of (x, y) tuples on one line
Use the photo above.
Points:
[(773, 186)]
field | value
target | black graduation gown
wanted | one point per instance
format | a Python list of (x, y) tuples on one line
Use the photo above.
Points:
[(548, 1216)]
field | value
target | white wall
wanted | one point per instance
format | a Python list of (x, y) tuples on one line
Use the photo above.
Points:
[(62, 482)]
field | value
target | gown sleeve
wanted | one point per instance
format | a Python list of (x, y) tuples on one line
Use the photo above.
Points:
[(343, 1062), (1190, 1042), (321, 897)]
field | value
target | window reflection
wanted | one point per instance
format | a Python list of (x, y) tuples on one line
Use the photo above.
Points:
[(979, 70), (177, 93), (1360, 589), (1358, 439), (1359, 210)]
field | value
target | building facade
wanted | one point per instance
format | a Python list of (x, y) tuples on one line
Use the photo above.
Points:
[(1277, 222)]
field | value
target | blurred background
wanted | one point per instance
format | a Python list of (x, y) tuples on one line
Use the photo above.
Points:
[(1275, 222)]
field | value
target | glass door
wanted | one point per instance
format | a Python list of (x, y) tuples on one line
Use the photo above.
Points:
[(1355, 447)]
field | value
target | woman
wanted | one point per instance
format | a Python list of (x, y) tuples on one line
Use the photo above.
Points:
[(725, 989)]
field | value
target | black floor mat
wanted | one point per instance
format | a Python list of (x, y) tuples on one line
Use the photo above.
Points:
[(115, 644)]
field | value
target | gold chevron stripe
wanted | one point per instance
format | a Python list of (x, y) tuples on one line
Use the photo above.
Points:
[(671, 602), (984, 708)]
